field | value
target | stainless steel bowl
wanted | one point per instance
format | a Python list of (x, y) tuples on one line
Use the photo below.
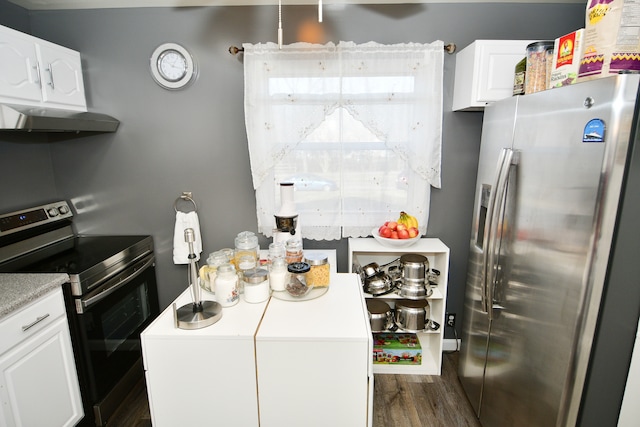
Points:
[(371, 269), (414, 292), (378, 284)]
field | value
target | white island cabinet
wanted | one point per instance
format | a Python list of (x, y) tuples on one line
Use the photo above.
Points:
[(368, 250), (38, 383), (314, 360), (205, 376), (278, 363)]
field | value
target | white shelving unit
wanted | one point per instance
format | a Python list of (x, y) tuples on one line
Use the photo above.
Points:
[(367, 250)]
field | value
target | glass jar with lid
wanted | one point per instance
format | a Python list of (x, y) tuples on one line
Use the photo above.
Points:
[(256, 285), (293, 251), (539, 59), (278, 273), (246, 244), (319, 273), (297, 281), (215, 260), (226, 285)]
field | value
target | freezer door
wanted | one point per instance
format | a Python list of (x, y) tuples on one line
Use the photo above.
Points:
[(550, 216), (497, 134)]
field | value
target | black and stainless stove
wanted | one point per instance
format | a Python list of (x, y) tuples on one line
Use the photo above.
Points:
[(111, 296)]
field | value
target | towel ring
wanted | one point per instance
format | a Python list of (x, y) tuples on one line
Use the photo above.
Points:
[(186, 195)]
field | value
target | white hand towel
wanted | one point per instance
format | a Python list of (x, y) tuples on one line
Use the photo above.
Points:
[(186, 220)]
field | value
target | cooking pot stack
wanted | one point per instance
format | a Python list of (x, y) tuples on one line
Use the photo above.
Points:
[(410, 278)]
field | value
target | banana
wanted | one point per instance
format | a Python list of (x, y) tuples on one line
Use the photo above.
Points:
[(408, 220)]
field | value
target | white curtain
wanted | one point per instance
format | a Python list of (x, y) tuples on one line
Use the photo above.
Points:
[(357, 128)]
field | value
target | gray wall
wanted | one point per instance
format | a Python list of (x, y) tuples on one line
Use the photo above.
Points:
[(195, 140)]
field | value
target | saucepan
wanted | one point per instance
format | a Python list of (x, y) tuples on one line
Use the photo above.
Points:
[(414, 316), (413, 266), (380, 316)]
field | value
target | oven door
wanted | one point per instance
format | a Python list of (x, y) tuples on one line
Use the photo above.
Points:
[(109, 321)]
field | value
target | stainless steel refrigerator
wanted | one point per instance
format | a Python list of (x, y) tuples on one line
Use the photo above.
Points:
[(553, 286)]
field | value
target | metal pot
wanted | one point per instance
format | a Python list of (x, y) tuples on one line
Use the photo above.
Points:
[(378, 284), (412, 315), (380, 316), (413, 266), (414, 289), (371, 269)]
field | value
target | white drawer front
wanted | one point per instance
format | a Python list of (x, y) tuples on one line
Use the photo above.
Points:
[(30, 319)]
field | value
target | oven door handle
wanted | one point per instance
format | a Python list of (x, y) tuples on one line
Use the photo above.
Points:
[(82, 304)]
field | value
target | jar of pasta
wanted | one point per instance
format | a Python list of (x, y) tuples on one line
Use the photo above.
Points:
[(319, 273)]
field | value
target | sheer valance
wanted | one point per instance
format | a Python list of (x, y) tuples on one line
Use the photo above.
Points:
[(357, 128)]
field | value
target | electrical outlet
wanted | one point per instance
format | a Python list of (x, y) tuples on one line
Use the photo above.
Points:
[(451, 319)]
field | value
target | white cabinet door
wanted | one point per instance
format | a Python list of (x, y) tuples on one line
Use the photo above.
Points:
[(38, 73), (19, 80), (314, 360), (61, 71), (485, 72), (38, 379)]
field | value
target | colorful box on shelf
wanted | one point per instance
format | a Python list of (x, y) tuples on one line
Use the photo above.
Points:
[(396, 349)]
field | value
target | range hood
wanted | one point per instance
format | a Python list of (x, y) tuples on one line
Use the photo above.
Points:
[(36, 119)]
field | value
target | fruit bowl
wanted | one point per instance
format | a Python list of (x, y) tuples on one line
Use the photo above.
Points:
[(394, 243)]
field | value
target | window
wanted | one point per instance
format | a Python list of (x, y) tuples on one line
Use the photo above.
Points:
[(356, 128)]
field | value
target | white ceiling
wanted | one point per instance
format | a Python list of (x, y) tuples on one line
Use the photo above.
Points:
[(104, 4)]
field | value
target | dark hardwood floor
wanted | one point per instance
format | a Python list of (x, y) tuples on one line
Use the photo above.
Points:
[(398, 401)]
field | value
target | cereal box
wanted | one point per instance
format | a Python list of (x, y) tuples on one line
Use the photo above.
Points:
[(611, 42), (396, 349), (566, 59)]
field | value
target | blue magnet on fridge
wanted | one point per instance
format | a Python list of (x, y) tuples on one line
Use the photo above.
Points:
[(593, 131)]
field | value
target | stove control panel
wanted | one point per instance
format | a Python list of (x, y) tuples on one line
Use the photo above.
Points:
[(28, 218)]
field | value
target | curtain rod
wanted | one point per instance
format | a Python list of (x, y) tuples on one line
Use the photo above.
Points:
[(234, 50)]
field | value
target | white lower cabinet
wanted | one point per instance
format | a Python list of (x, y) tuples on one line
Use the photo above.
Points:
[(314, 360), (367, 250), (38, 383), (278, 363)]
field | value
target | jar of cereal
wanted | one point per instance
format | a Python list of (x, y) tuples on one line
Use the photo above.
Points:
[(293, 251)]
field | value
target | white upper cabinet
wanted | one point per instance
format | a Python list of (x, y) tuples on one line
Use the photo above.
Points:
[(485, 72), (38, 73)]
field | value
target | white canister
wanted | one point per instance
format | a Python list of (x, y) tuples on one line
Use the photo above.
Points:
[(226, 285), (278, 274), (256, 285)]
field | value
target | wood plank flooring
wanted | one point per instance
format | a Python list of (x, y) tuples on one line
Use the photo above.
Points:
[(398, 401)]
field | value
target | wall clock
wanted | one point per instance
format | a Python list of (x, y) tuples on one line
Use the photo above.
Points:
[(172, 66)]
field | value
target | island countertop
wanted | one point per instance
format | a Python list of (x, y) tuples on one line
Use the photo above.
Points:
[(19, 289)]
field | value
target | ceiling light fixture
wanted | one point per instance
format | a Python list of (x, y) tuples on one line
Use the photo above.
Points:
[(319, 10)]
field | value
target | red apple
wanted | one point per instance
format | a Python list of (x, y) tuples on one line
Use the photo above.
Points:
[(401, 227), (413, 232), (403, 234), (394, 234), (392, 225), (385, 232)]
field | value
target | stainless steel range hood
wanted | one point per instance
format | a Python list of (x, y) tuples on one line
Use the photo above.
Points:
[(35, 119)]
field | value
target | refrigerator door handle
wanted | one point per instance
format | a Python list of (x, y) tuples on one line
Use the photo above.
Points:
[(493, 219), (486, 302)]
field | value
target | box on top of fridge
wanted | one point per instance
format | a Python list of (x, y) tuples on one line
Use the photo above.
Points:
[(611, 42), (566, 59)]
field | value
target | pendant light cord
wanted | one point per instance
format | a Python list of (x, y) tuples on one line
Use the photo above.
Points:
[(280, 24)]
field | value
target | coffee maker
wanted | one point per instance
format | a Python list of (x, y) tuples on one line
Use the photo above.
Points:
[(287, 224)]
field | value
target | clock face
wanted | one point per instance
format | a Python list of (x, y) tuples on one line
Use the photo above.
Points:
[(172, 66)]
